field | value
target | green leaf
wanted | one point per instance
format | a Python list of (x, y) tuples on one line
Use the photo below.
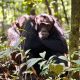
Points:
[(24, 3), (32, 61), (6, 52), (63, 58), (42, 64), (45, 67), (1, 53), (56, 69), (75, 53), (74, 69), (52, 57), (43, 54), (51, 68), (27, 51), (76, 61)]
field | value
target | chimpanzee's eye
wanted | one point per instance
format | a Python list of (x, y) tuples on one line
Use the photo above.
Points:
[(48, 26), (17, 24)]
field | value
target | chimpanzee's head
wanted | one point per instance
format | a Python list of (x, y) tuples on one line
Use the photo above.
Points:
[(21, 21), (44, 24)]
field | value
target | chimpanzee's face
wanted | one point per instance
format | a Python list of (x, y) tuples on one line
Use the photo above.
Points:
[(44, 24), (20, 22), (43, 33)]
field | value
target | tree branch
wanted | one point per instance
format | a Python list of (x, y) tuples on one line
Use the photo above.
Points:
[(65, 12), (47, 4)]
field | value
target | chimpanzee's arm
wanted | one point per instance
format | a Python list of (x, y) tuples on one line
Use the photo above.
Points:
[(56, 45)]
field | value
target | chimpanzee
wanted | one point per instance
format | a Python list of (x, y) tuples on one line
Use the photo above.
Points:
[(14, 32), (43, 33)]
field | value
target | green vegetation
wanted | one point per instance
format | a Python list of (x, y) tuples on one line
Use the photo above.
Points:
[(69, 18)]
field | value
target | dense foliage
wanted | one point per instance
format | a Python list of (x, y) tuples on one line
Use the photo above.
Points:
[(10, 10)]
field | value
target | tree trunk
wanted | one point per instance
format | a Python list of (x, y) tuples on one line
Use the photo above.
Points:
[(74, 35), (75, 24), (3, 29)]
